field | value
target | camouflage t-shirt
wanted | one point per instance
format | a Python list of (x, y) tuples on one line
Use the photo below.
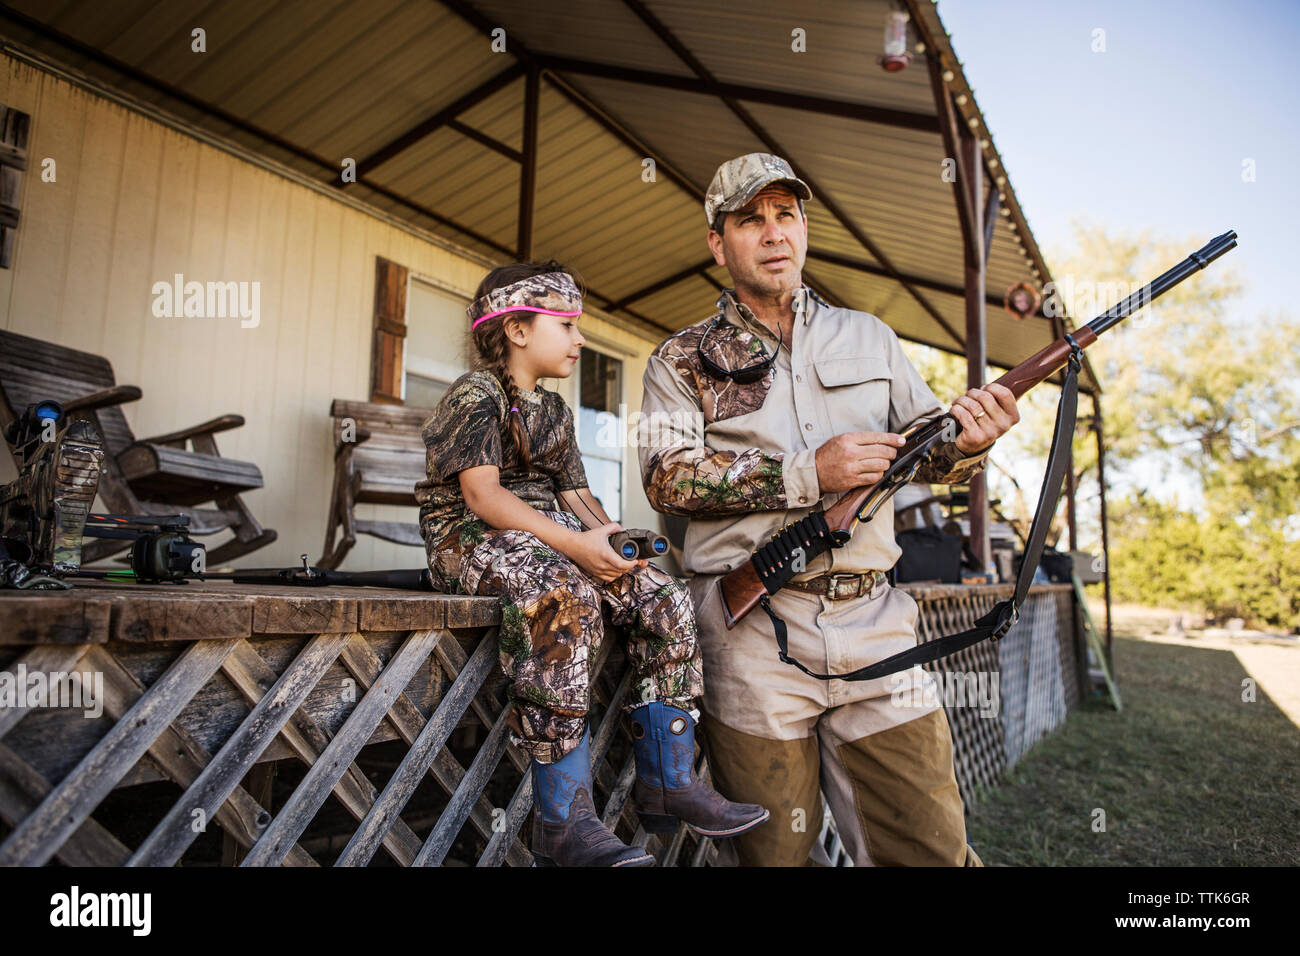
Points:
[(469, 428)]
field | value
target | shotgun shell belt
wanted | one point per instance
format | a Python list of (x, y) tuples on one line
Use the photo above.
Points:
[(841, 587)]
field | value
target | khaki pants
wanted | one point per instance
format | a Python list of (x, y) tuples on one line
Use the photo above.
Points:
[(777, 737)]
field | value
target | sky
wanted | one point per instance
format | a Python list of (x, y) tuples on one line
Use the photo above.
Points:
[(1149, 134), (1152, 132)]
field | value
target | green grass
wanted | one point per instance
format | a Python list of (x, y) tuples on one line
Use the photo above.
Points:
[(1188, 775)]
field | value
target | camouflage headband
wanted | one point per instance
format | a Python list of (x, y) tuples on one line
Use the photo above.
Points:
[(551, 293)]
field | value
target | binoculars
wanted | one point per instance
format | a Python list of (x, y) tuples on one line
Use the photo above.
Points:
[(24, 432), (638, 543)]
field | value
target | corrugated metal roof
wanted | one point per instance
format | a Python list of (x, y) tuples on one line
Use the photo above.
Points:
[(309, 83)]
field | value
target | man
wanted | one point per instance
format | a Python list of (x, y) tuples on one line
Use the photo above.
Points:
[(769, 408)]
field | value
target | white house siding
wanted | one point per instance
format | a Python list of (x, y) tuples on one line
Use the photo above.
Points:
[(137, 201)]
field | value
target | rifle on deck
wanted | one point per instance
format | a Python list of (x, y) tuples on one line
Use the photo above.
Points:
[(414, 579), (770, 566), (155, 560)]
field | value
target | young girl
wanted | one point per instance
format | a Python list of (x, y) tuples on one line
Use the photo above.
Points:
[(497, 513)]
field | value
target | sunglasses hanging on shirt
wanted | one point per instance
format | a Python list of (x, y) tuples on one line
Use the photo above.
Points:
[(741, 376)]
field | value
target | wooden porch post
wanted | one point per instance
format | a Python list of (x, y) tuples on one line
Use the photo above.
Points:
[(968, 194)]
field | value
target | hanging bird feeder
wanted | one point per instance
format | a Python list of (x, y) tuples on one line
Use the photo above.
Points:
[(896, 55)]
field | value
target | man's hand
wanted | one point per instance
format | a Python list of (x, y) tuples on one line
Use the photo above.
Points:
[(985, 415), (855, 459)]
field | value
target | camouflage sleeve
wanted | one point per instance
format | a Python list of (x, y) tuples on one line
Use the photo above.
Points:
[(682, 476), (948, 466), (464, 431), (573, 474)]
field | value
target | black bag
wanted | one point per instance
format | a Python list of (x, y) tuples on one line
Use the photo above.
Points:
[(1057, 566), (929, 554)]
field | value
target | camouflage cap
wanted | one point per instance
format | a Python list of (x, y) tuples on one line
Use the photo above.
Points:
[(739, 180)]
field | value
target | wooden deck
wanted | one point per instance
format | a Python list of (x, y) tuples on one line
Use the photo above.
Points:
[(317, 726)]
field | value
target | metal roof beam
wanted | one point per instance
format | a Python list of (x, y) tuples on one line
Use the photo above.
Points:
[(581, 100), (585, 103), (901, 119), (685, 55), (525, 60), (216, 112), (991, 206), (480, 137), (708, 276), (823, 290), (528, 168), (152, 82), (862, 265), (437, 217), (663, 283), (440, 118)]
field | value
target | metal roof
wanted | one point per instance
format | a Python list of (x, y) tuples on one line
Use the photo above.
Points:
[(413, 91)]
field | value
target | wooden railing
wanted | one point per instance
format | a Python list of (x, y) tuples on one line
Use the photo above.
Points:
[(338, 726)]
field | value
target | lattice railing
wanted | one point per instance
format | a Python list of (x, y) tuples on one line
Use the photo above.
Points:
[(211, 716), (283, 729)]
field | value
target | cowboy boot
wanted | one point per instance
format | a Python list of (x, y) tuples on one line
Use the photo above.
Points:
[(566, 829), (667, 790)]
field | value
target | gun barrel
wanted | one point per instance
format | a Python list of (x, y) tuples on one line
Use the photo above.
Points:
[(1163, 283), (1048, 360), (415, 579)]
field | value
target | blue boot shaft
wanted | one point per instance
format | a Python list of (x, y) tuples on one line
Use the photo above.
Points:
[(556, 784), (663, 739)]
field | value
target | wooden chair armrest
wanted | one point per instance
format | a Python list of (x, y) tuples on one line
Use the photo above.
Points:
[(344, 448), (224, 423), (103, 398)]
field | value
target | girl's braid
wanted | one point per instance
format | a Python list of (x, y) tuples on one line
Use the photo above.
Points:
[(491, 343)]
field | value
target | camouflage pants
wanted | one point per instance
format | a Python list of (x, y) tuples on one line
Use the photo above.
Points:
[(552, 628)]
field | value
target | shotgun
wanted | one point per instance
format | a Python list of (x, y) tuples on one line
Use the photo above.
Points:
[(770, 566), (415, 579)]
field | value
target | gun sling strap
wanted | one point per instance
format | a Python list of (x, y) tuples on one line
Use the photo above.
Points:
[(812, 530)]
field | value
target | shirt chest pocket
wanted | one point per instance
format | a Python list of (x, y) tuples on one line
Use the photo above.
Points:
[(856, 393)]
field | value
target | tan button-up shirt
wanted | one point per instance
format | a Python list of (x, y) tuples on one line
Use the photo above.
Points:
[(739, 460)]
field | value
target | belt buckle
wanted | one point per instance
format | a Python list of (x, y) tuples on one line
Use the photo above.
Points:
[(833, 586)]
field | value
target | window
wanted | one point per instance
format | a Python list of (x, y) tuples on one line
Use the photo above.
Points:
[(600, 437), (436, 341)]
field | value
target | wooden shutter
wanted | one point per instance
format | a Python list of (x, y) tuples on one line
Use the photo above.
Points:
[(390, 332), (13, 160)]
